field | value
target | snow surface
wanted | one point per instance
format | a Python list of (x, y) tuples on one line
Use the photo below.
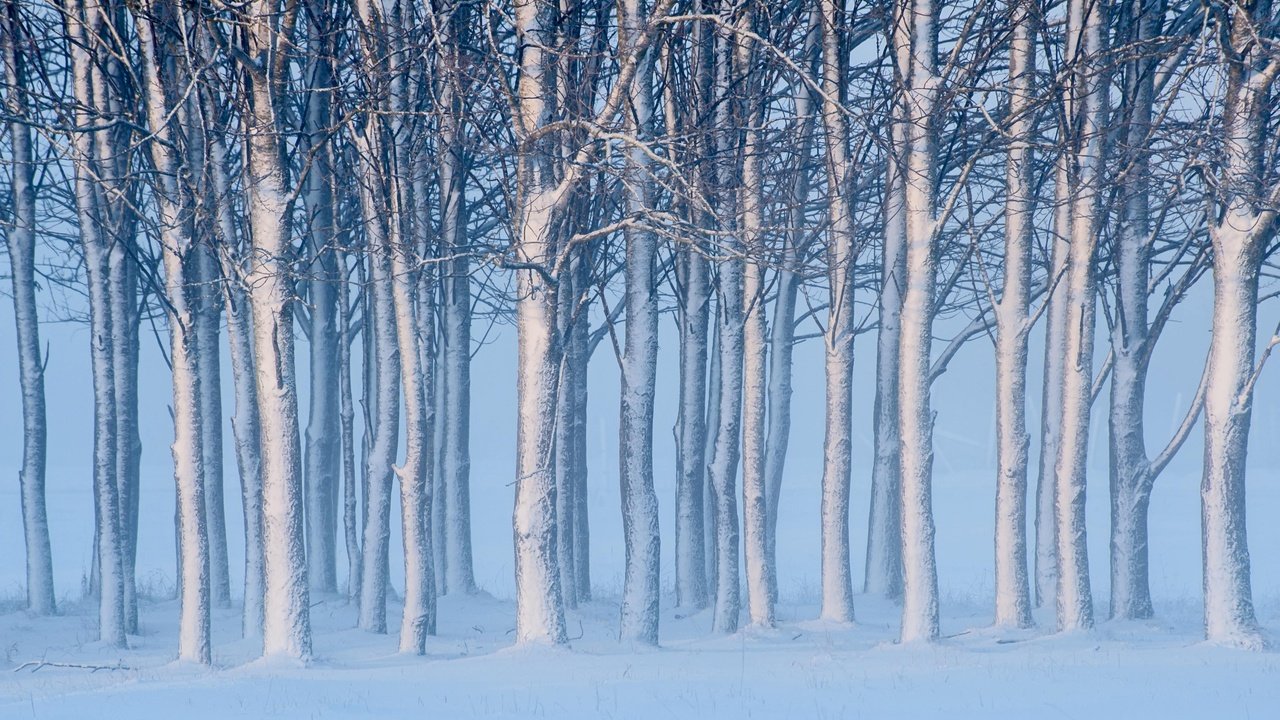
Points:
[(803, 669)]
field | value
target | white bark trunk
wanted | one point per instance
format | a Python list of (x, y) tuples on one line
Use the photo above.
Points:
[(1013, 323), (21, 241), (915, 31)]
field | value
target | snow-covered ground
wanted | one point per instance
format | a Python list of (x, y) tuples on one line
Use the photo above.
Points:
[(803, 669)]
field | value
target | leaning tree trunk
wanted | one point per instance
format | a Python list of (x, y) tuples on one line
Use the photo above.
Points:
[(21, 240)]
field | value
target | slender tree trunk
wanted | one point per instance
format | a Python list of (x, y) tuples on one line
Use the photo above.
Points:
[(21, 240), (1013, 323), (1085, 109), (83, 27), (883, 571), (178, 249), (640, 588), (837, 581), (323, 444)]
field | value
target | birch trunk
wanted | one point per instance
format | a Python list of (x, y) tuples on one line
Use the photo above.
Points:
[(723, 467), (1046, 524), (245, 421)]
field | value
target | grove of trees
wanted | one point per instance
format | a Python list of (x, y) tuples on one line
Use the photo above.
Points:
[(367, 181)]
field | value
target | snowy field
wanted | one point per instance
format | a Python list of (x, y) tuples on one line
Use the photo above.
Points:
[(803, 669)]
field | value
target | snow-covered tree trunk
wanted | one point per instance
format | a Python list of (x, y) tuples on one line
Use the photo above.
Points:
[(579, 351), (160, 71), (914, 30), (1131, 475), (1085, 111), (883, 571), (710, 506), (1046, 522), (723, 461), (459, 573), (782, 334), (837, 453), (21, 240), (692, 313), (323, 443), (1244, 225), (640, 588), (413, 473), (207, 309), (539, 603), (760, 595), (286, 614), (386, 411), (347, 416), (84, 25), (565, 442), (1013, 323), (245, 423)]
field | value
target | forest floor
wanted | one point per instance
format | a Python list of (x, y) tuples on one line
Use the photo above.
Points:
[(801, 669)]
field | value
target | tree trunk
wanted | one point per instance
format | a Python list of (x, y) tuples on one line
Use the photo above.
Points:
[(21, 240), (1013, 596), (286, 614), (914, 34)]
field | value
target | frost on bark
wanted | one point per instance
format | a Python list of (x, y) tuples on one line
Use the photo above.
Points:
[(1013, 324), (723, 460), (161, 67), (245, 425), (1085, 111), (760, 595), (286, 616), (837, 453), (883, 571), (1241, 226), (915, 50), (85, 25), (639, 372), (693, 285), (457, 574), (20, 236)]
